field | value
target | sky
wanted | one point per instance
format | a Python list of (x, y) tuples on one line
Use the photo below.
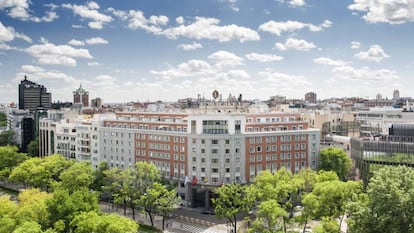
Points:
[(148, 50)]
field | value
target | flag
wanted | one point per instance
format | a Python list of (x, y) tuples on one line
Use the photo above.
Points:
[(186, 180), (194, 181)]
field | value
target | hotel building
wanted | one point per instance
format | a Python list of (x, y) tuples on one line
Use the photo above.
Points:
[(199, 151)]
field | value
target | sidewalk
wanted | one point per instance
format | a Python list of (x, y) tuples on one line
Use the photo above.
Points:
[(178, 224)]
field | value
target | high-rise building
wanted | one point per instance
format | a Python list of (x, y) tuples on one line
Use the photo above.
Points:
[(96, 103), (33, 96), (81, 97), (396, 94), (310, 97)]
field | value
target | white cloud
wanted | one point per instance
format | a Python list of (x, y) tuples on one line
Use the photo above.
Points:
[(295, 44), (1, 63), (355, 45), (9, 34), (51, 54), (297, 2), (37, 73), (6, 33), (77, 26), (94, 64), (375, 53), (329, 62), (365, 73), (284, 82), (96, 40), (19, 9), (385, 11), (90, 41), (90, 12), (191, 68), (137, 20), (118, 13), (263, 57), (225, 59), (31, 69), (208, 28), (76, 42), (158, 20), (278, 28), (179, 20), (192, 46)]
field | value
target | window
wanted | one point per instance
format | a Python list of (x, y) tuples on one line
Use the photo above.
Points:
[(203, 150), (251, 140), (227, 141), (227, 170), (214, 151), (214, 160), (214, 141), (259, 140), (259, 158), (227, 151), (251, 158), (274, 157), (251, 149), (227, 160), (214, 170), (259, 149)]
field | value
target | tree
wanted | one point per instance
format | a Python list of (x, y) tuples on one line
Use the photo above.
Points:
[(232, 200), (166, 203), (7, 138), (281, 186), (33, 148), (335, 159), (389, 204), (7, 214), (76, 177), (130, 184), (87, 222), (99, 177), (269, 217), (40, 172), (332, 198), (3, 119), (32, 207), (63, 206), (9, 159)]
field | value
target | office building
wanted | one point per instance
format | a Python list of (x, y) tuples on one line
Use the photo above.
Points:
[(81, 97), (33, 96), (310, 97)]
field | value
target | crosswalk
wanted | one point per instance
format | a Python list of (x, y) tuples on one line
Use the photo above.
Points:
[(181, 227)]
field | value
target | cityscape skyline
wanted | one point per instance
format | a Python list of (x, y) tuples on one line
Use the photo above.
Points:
[(138, 51)]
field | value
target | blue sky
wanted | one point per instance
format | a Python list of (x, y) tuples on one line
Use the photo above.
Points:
[(134, 50)]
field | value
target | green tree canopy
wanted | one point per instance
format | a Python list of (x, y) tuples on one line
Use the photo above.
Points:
[(87, 222), (335, 159), (64, 206), (40, 172), (77, 176), (389, 205), (33, 148), (232, 200), (7, 138), (9, 159)]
